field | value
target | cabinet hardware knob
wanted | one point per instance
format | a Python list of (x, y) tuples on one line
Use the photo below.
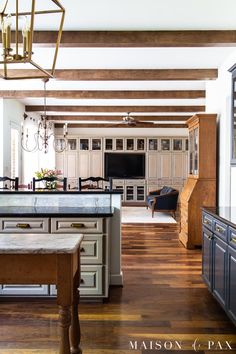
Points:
[(233, 239), (210, 237), (219, 229), (81, 281), (23, 226), (82, 250), (207, 222), (77, 225)]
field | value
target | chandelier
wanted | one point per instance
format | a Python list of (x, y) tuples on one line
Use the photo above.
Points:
[(42, 132), (18, 20)]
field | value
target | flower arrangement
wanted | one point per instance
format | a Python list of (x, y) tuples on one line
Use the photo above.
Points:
[(46, 173)]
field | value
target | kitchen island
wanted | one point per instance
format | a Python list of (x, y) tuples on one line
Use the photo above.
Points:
[(95, 214)]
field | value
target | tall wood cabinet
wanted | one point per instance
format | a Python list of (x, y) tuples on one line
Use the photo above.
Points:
[(200, 187)]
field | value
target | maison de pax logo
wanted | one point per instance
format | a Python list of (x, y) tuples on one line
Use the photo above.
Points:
[(172, 345)]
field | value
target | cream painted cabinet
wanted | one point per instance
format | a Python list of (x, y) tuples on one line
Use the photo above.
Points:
[(60, 162), (178, 165), (164, 165), (152, 165), (84, 164), (96, 164), (71, 164)]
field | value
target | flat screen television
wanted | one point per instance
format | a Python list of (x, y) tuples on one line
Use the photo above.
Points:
[(124, 165)]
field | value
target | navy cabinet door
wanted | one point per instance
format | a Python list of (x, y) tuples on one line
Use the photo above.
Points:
[(207, 239), (232, 283), (219, 270)]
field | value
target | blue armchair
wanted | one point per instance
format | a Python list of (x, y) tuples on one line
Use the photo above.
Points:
[(163, 200)]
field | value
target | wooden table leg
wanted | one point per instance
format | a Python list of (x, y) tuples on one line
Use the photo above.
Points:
[(64, 323), (75, 325)]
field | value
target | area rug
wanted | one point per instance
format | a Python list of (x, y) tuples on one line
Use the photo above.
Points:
[(143, 215)]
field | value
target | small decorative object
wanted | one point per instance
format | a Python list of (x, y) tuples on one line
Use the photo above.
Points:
[(52, 175)]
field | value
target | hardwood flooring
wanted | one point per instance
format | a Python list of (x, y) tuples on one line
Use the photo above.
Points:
[(163, 300)]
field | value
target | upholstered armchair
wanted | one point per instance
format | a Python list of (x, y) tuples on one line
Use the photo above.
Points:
[(163, 200)]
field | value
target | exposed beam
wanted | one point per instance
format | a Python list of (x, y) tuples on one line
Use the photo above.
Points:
[(124, 74), (117, 118), (68, 94), (118, 109), (137, 38), (140, 125)]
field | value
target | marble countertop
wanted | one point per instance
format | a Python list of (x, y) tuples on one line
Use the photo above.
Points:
[(39, 243), (54, 211), (55, 191), (226, 214)]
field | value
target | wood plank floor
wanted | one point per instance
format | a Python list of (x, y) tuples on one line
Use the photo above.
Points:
[(163, 299)]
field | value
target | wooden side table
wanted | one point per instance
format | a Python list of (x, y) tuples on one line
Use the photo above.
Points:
[(47, 259)]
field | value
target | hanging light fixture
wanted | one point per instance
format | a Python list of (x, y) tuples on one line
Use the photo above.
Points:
[(21, 15), (42, 132)]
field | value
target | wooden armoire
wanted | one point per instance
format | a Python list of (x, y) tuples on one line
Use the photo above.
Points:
[(200, 187)]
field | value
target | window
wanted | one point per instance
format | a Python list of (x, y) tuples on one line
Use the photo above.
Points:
[(14, 153)]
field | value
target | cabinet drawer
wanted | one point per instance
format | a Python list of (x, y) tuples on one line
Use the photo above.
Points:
[(220, 229), (232, 237), (19, 225), (91, 280), (91, 250), (207, 221), (62, 225), (17, 289)]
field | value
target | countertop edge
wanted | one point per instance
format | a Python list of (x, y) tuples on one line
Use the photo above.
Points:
[(212, 213)]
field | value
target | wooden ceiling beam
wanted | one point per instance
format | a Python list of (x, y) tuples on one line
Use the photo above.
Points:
[(134, 39), (118, 109), (105, 125), (117, 118), (124, 74), (72, 94)]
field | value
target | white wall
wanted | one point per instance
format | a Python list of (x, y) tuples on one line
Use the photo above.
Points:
[(1, 137), (218, 99), (12, 114)]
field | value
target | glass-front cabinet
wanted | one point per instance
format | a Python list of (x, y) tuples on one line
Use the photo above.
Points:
[(193, 151), (84, 144), (152, 144), (130, 144), (108, 144), (165, 144), (140, 144), (72, 144)]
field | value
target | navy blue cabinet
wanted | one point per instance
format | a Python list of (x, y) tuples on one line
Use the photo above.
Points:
[(207, 257), (231, 303), (219, 261), (219, 270)]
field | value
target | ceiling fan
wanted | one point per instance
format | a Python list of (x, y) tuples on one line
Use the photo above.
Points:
[(130, 121)]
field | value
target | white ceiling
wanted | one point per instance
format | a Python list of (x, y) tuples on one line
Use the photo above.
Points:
[(148, 15), (133, 15)]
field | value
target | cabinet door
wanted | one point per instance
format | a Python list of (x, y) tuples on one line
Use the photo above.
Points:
[(207, 238), (231, 301), (178, 165), (152, 163), (60, 162), (165, 165), (96, 164), (83, 165), (219, 270), (71, 162)]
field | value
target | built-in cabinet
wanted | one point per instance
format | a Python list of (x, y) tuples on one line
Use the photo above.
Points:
[(166, 162), (94, 252), (200, 187), (219, 261)]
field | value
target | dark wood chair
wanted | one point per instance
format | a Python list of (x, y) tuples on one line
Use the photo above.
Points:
[(51, 180), (93, 183), (13, 183)]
